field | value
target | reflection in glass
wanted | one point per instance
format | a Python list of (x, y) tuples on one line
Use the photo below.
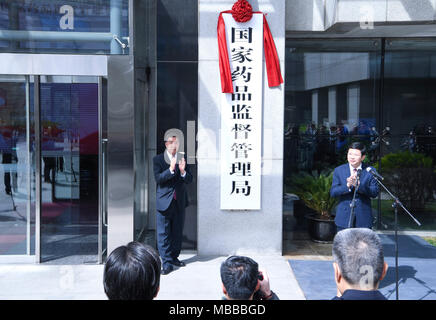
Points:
[(17, 210), (330, 101), (177, 29), (69, 212), (332, 98), (83, 18), (409, 153)]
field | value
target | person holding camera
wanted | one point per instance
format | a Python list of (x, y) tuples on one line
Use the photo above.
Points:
[(242, 280)]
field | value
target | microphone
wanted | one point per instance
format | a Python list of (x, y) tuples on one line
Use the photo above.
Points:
[(358, 173), (374, 173)]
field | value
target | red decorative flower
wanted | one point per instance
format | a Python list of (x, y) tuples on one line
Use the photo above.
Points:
[(242, 11)]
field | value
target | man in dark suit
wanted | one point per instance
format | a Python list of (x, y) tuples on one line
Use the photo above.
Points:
[(358, 264), (345, 179), (171, 174)]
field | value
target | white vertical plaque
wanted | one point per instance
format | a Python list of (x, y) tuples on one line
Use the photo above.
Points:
[(241, 117)]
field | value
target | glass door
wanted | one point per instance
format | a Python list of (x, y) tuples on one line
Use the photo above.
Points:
[(17, 183), (408, 148), (331, 100), (380, 92), (70, 170)]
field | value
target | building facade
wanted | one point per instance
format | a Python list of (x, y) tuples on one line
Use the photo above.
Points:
[(89, 88)]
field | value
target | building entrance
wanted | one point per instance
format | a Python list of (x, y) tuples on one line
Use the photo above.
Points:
[(69, 169), (52, 164)]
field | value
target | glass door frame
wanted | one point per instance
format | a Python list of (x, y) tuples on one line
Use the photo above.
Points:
[(26, 257), (38, 171), (38, 65), (387, 49), (383, 48)]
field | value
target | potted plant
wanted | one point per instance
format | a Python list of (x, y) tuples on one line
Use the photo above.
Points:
[(410, 176), (314, 191)]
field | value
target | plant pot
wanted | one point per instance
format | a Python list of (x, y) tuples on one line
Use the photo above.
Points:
[(321, 230)]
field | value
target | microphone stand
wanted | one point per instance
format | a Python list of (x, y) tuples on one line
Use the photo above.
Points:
[(395, 204), (353, 203)]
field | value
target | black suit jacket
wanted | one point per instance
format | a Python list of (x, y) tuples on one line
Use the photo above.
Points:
[(168, 183)]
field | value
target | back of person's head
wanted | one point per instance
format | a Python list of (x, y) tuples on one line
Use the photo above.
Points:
[(132, 272), (359, 146), (239, 276), (358, 252)]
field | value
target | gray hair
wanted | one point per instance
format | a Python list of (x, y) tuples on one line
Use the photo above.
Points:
[(359, 255)]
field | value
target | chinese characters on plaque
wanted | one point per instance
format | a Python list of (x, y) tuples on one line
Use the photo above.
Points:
[(241, 117)]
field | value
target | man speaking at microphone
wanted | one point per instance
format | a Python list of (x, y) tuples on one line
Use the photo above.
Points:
[(172, 175), (348, 177)]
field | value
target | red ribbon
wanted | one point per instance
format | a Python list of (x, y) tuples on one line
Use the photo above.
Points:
[(271, 57)]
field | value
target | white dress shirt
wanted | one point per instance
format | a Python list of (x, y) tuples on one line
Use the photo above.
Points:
[(352, 171)]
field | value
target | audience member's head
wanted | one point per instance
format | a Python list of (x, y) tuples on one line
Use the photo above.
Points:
[(358, 260), (239, 276), (132, 272)]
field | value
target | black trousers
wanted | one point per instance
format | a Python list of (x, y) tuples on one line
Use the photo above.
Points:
[(169, 232), (49, 166), (7, 159)]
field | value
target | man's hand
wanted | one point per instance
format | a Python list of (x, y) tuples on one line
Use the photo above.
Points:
[(351, 181), (173, 164), (264, 284), (182, 166)]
